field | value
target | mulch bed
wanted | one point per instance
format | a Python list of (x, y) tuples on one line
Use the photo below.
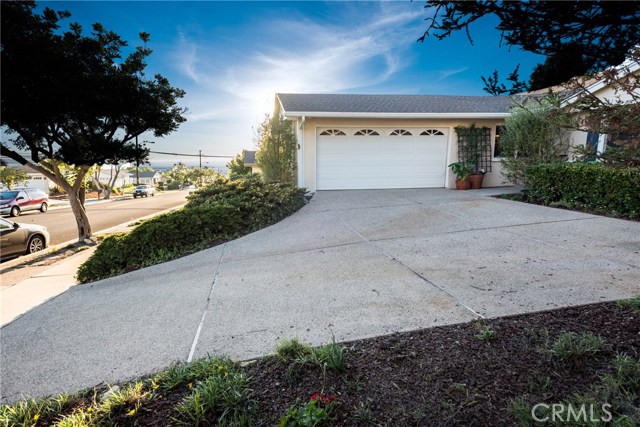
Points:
[(444, 376)]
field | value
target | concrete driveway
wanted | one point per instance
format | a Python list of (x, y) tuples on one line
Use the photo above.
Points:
[(355, 263)]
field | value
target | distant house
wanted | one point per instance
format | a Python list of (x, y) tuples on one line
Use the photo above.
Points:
[(106, 175), (250, 161), (148, 177), (36, 179)]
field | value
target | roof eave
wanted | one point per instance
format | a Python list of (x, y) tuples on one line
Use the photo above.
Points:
[(321, 114)]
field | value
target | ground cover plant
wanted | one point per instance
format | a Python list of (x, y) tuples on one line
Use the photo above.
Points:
[(219, 212), (483, 374)]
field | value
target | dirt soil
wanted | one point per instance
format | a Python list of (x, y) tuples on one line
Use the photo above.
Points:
[(444, 376)]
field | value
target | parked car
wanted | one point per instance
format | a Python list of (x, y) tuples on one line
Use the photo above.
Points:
[(19, 239), (144, 190), (14, 202)]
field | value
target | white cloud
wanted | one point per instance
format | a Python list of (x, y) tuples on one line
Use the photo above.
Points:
[(235, 90)]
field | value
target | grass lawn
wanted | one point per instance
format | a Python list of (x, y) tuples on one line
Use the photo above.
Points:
[(484, 373)]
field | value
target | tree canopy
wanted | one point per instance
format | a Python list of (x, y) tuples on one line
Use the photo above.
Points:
[(11, 176), (577, 37), (75, 98), (277, 149), (236, 166)]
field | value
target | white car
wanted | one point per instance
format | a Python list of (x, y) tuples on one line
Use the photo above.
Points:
[(144, 191)]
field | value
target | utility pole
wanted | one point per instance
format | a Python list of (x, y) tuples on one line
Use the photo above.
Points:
[(137, 164), (200, 155)]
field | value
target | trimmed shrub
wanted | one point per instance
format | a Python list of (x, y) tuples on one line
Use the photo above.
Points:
[(586, 186), (215, 214)]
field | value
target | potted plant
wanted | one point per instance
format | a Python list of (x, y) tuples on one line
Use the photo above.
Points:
[(462, 171), (474, 149), (476, 177)]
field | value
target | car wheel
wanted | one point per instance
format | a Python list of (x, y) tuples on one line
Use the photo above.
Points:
[(135, 197), (153, 194), (36, 244), (44, 207), (15, 211)]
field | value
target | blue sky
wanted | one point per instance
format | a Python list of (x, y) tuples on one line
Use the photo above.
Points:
[(232, 57)]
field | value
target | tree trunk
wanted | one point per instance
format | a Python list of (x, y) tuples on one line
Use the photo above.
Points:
[(82, 221), (75, 192)]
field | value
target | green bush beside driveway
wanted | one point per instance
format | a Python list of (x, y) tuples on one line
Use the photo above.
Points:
[(222, 211)]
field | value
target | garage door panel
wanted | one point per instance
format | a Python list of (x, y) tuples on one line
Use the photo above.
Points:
[(381, 161)]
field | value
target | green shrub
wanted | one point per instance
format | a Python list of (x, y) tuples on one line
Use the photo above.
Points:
[(314, 413), (219, 212), (289, 350), (588, 186), (575, 347), (257, 202), (173, 185), (631, 303), (223, 396)]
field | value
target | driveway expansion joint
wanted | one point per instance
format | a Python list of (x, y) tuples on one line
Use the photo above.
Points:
[(206, 307), (420, 276)]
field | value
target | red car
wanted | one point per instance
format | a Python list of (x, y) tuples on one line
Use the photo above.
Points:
[(14, 202)]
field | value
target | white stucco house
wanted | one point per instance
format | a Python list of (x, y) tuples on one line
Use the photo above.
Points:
[(386, 141), (407, 141)]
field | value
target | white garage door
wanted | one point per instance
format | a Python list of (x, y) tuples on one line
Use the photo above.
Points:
[(369, 158)]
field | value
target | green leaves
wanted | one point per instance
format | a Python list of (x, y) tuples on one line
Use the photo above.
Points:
[(590, 186)]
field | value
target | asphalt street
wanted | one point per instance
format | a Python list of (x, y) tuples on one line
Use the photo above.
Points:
[(62, 225)]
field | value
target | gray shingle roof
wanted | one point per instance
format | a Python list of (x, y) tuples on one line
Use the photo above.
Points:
[(147, 174), (329, 103)]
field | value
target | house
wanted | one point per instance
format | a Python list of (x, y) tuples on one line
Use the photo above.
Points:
[(386, 141), (603, 89), (249, 160), (35, 180), (107, 172), (148, 177)]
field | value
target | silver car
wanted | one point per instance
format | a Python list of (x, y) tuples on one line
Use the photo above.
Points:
[(19, 239)]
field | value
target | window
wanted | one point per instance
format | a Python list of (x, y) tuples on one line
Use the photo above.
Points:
[(430, 132), (496, 144), (334, 132), (366, 132), (400, 132)]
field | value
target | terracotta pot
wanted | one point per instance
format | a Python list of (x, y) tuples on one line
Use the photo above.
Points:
[(476, 180), (462, 184)]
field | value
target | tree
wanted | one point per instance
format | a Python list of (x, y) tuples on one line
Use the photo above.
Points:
[(276, 154), (72, 98), (105, 189), (179, 173), (202, 176), (11, 176), (236, 166), (617, 114), (583, 36), (534, 133)]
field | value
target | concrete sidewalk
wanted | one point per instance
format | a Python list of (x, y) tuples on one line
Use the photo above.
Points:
[(22, 297), (355, 263), (17, 299)]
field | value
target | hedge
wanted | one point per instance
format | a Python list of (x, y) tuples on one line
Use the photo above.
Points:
[(217, 213), (586, 186)]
